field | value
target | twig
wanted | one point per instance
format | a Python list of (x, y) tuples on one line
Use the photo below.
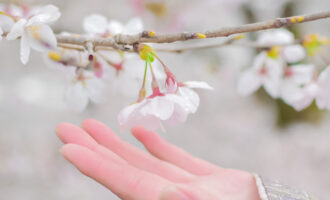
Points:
[(121, 41)]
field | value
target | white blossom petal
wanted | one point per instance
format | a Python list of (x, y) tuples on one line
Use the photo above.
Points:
[(273, 77), (25, 49), (45, 15), (41, 38), (301, 74), (249, 82), (159, 107), (17, 30), (298, 88), (294, 53), (179, 115), (272, 87), (191, 99), (95, 24), (299, 98), (131, 116), (6, 23)]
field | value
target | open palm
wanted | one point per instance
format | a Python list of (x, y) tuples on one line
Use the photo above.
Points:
[(167, 173)]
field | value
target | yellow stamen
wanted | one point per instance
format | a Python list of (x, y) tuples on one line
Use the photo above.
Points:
[(35, 31), (54, 56), (313, 43), (145, 51), (274, 52)]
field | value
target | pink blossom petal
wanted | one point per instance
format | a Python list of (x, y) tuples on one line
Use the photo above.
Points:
[(159, 107)]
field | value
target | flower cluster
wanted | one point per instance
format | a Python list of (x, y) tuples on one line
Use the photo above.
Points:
[(282, 72), (31, 25), (89, 71)]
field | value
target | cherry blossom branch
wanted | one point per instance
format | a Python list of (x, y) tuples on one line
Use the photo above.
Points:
[(121, 41)]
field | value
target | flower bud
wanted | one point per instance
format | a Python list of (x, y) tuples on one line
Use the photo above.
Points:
[(200, 36)]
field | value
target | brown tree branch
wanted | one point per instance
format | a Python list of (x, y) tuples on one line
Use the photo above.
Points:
[(124, 42)]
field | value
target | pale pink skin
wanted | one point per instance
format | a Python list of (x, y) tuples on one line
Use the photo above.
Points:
[(167, 173)]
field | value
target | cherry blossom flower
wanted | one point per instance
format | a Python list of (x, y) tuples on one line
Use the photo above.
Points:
[(299, 86), (172, 106), (158, 107), (96, 24), (265, 72), (35, 32), (149, 113), (84, 87)]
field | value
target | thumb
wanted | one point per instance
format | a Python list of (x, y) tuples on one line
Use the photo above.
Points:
[(173, 193)]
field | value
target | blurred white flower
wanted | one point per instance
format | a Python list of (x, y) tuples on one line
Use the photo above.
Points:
[(266, 72), (299, 87), (84, 87), (268, 66), (323, 97), (34, 32), (96, 24)]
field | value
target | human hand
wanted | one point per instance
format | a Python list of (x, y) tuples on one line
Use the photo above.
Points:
[(167, 173)]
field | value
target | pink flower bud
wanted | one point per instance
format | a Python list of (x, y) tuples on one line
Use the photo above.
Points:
[(171, 83)]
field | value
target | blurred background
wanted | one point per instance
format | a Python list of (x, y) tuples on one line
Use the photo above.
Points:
[(253, 133)]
